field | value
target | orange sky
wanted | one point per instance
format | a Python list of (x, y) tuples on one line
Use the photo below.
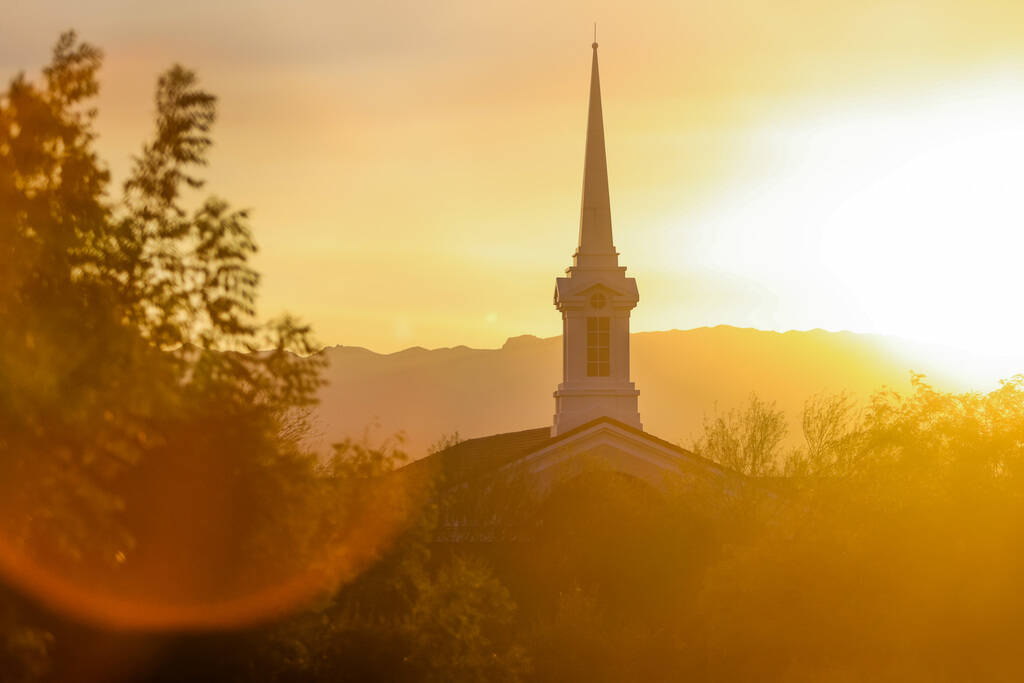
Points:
[(414, 167)]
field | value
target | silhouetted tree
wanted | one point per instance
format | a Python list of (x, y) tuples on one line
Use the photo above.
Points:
[(830, 426), (894, 560), (747, 441), (147, 418), (417, 613)]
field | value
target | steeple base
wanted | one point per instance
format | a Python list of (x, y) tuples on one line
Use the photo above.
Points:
[(577, 405)]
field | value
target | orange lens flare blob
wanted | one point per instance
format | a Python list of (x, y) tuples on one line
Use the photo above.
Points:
[(187, 572)]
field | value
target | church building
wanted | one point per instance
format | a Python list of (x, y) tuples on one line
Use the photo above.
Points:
[(596, 417)]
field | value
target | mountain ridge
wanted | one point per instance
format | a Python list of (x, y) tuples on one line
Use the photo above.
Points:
[(682, 376)]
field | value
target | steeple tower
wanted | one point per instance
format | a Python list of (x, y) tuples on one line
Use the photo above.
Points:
[(595, 300)]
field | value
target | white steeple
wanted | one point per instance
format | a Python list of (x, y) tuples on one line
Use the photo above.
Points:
[(595, 246), (595, 300)]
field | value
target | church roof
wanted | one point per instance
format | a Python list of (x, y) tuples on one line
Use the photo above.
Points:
[(473, 457), (468, 468), (480, 456)]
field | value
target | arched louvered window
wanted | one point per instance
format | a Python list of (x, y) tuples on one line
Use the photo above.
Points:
[(597, 347)]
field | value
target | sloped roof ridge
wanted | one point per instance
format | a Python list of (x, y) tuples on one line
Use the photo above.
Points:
[(499, 435), (639, 432), (474, 457)]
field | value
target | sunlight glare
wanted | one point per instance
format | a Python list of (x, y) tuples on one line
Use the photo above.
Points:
[(900, 216)]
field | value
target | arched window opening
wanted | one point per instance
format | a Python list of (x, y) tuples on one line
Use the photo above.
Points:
[(597, 347)]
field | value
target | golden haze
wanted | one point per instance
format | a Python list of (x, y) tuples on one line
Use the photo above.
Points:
[(774, 165), (150, 481)]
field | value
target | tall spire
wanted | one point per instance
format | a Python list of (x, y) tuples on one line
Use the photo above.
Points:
[(595, 299), (595, 246)]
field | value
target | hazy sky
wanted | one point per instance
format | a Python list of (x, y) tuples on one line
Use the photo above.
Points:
[(414, 168)]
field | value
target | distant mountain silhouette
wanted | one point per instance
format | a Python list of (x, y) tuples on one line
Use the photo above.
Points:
[(681, 376)]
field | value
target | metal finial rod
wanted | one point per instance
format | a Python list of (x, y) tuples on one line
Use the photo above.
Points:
[(595, 35)]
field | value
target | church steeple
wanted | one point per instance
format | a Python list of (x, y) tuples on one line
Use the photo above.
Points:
[(595, 243), (595, 299)]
